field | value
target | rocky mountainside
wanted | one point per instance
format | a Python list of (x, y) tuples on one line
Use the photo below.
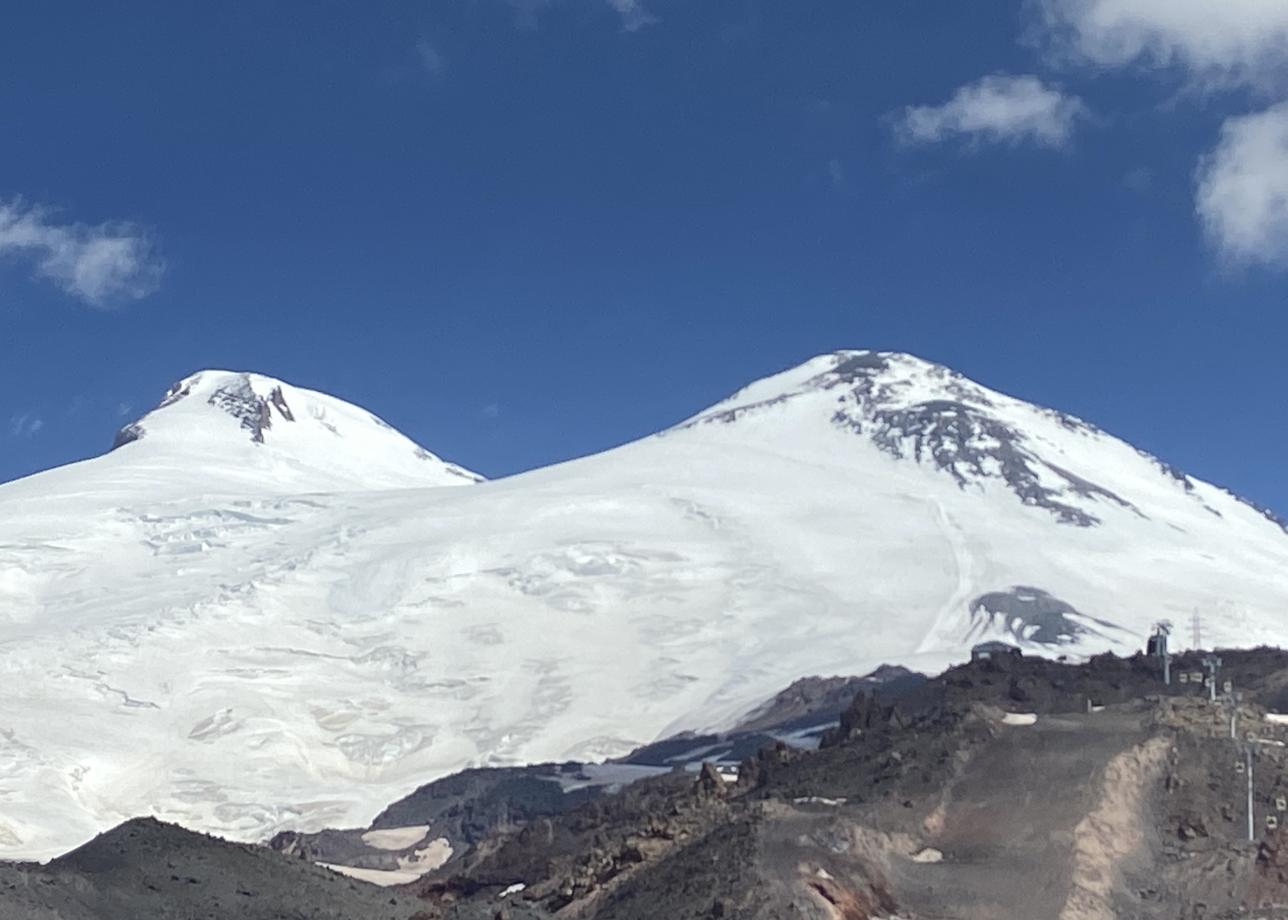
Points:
[(272, 617), (146, 870), (1007, 788), (938, 418), (1011, 787), (467, 809)]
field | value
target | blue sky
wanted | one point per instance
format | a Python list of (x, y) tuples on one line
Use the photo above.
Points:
[(526, 231)]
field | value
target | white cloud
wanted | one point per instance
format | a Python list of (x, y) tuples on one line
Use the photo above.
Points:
[(634, 16), (98, 264), (1242, 184), (1214, 41), (492, 410), (1242, 197), (998, 109), (431, 58), (25, 425)]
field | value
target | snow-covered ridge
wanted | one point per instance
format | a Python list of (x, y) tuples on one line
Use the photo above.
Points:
[(234, 394), (219, 430), (262, 612), (914, 409), (270, 412)]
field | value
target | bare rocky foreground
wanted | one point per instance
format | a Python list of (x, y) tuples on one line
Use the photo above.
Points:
[(1017, 789)]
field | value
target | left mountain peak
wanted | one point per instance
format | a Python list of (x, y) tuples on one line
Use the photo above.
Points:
[(285, 433), (218, 425), (251, 400)]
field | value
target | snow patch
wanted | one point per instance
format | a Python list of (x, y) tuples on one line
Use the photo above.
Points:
[(409, 868), (396, 838)]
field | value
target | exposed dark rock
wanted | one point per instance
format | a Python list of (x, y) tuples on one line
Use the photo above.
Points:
[(1265, 513), (241, 402), (1071, 422), (479, 802), (860, 366), (278, 401), (1031, 615), (146, 870), (864, 714), (940, 806), (958, 432), (710, 783), (463, 808), (128, 435), (811, 700), (1179, 476), (970, 445), (180, 389)]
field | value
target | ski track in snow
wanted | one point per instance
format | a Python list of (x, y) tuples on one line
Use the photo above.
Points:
[(951, 623), (245, 644)]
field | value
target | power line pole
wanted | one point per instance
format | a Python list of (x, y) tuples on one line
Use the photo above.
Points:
[(1158, 646), (1247, 760), (1213, 664), (1196, 625)]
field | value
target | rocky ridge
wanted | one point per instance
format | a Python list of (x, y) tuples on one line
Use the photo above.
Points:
[(1002, 788)]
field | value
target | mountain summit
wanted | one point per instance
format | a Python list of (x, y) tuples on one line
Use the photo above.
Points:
[(912, 409), (265, 627), (286, 434), (235, 431)]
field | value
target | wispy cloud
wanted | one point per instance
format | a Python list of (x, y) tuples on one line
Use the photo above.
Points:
[(634, 15), (996, 109), (1213, 42), (1241, 185), (1139, 180), (25, 425), (836, 173), (98, 264), (1242, 195), (492, 410), (431, 58), (525, 12)]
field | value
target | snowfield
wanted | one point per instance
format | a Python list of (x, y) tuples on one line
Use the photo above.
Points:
[(246, 627)]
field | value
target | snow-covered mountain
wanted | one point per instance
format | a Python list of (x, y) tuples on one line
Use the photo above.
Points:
[(227, 432), (244, 621)]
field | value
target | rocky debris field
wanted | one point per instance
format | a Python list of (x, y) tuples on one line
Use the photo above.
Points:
[(146, 869), (1014, 788)]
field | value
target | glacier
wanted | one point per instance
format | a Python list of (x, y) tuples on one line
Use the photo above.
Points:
[(267, 609)]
